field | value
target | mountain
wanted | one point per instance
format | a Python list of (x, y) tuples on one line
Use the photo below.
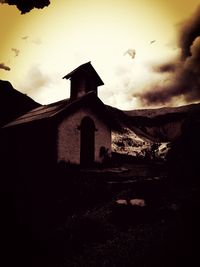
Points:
[(13, 103), (151, 113), (149, 132)]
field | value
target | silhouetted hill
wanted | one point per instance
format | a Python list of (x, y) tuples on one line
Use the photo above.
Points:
[(150, 113), (183, 158), (13, 103)]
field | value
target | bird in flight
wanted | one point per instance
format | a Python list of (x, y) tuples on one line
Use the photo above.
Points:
[(16, 51), (130, 52), (153, 41), (25, 37)]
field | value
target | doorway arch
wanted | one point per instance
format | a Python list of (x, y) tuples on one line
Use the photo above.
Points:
[(87, 142)]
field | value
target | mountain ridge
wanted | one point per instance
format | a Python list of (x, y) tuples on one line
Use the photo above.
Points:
[(153, 112), (13, 103)]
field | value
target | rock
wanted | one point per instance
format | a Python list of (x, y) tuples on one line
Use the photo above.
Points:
[(139, 202), (121, 202)]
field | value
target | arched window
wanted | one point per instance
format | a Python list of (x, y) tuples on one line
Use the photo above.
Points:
[(87, 146)]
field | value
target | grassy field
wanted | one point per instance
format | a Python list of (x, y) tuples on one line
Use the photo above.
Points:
[(72, 219)]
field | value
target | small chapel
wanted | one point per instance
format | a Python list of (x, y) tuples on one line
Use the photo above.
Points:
[(76, 130)]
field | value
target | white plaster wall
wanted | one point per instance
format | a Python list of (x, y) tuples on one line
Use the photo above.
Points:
[(69, 136)]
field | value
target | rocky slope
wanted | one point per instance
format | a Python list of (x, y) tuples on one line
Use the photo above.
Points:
[(150, 132)]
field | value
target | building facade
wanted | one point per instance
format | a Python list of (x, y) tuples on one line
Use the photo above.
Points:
[(75, 130)]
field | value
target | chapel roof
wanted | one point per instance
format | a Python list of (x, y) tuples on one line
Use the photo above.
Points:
[(65, 106), (88, 70)]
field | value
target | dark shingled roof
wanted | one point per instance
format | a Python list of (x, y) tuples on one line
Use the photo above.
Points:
[(43, 112), (87, 69), (65, 107)]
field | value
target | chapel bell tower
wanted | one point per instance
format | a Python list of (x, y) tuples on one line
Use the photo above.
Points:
[(83, 79)]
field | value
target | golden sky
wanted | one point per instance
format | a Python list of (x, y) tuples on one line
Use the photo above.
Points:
[(41, 46)]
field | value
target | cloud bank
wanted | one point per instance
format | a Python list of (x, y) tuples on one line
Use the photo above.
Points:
[(180, 77)]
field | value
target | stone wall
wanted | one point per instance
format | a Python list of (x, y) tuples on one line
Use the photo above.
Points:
[(69, 136)]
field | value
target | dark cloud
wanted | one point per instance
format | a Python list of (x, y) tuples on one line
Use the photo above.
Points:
[(4, 67), (167, 67), (16, 51), (180, 77), (189, 31), (26, 5)]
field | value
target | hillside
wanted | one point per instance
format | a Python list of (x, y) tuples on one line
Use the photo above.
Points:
[(150, 113), (146, 131), (13, 103)]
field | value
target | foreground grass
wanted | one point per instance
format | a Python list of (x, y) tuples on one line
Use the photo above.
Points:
[(77, 222)]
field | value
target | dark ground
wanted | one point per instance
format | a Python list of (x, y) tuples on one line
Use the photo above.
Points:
[(72, 219)]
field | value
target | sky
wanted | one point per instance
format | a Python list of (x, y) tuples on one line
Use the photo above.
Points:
[(147, 52)]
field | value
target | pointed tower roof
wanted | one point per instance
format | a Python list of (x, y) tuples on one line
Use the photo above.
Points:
[(87, 70)]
